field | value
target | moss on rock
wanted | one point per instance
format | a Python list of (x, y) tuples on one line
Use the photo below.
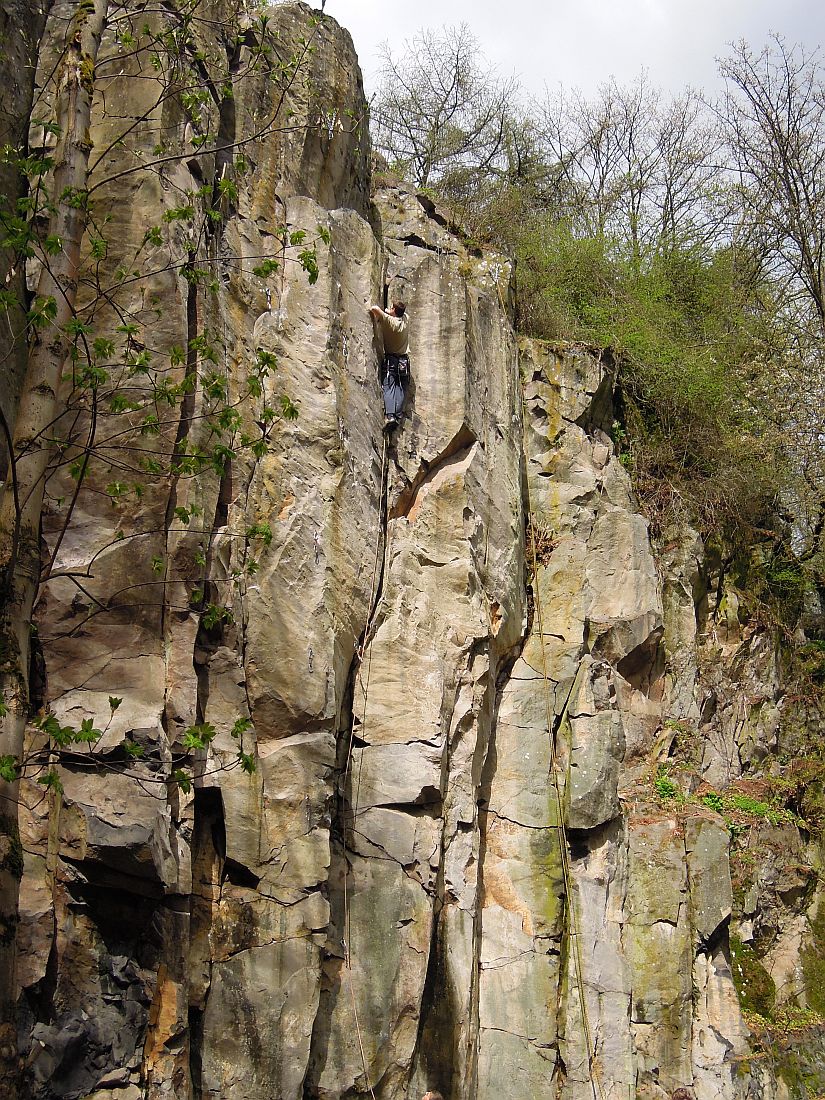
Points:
[(11, 850), (754, 985), (813, 962)]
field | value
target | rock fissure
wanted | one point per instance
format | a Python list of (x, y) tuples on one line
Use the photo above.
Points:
[(455, 455), (496, 964), (413, 240), (522, 824)]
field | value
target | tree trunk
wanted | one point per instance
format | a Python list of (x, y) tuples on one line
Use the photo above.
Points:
[(21, 25), (23, 495)]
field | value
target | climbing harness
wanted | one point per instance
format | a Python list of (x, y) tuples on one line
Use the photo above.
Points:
[(398, 366)]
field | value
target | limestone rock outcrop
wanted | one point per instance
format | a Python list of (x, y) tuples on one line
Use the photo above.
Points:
[(457, 664)]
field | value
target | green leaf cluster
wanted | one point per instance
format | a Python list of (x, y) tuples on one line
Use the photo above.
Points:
[(665, 787)]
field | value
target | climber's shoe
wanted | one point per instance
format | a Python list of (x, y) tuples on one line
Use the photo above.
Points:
[(391, 423)]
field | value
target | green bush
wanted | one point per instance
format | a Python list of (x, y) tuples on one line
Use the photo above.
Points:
[(714, 801), (665, 788), (684, 333), (739, 803)]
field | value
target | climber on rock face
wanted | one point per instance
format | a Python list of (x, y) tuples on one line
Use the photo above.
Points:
[(432, 1096), (395, 367)]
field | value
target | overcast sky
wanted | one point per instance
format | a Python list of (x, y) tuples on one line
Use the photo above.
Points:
[(582, 42)]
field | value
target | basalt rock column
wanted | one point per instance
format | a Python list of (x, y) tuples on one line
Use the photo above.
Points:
[(448, 616), (224, 883)]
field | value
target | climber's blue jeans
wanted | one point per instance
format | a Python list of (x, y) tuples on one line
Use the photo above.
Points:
[(394, 376)]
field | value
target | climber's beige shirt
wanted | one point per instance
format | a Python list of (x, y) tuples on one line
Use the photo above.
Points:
[(396, 335)]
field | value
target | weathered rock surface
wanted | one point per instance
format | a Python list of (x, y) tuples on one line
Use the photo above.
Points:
[(450, 868)]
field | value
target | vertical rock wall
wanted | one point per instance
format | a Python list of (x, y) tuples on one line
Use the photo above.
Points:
[(384, 905), (447, 617), (640, 937)]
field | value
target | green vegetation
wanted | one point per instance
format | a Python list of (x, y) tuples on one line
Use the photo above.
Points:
[(744, 804), (772, 1025), (781, 1023), (665, 787), (741, 809), (714, 802), (813, 962), (683, 333)]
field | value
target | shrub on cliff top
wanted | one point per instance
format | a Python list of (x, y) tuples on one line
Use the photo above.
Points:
[(684, 337)]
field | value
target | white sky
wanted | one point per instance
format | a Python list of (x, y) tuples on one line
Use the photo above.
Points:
[(583, 42)]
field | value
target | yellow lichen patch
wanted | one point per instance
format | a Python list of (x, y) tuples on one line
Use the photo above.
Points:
[(496, 618), (164, 1018), (499, 890)]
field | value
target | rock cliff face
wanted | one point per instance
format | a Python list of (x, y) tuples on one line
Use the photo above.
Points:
[(458, 640)]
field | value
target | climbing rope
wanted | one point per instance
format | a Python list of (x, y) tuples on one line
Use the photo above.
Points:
[(574, 930), (362, 680)]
